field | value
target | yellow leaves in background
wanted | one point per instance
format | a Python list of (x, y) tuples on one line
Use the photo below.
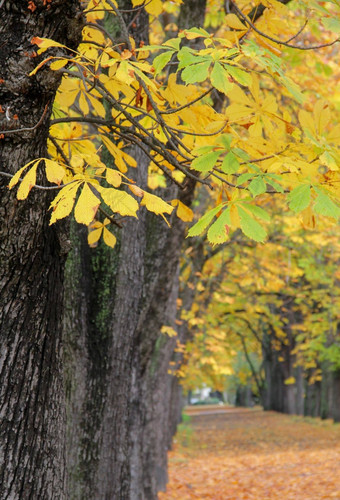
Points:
[(96, 230), (168, 330), (122, 159), (183, 212), (153, 7)]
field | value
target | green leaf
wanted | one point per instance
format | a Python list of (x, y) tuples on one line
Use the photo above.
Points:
[(206, 162), (204, 221), (257, 186), (196, 32), (196, 73), (201, 150), (225, 140), (161, 61), (230, 164), (299, 198), (187, 57), (331, 24), (294, 89), (258, 212), (325, 206), (250, 226), (173, 42), (219, 231), (241, 154), (239, 75), (275, 185), (244, 178), (220, 79), (329, 160)]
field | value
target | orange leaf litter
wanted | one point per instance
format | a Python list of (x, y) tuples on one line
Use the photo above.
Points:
[(239, 454)]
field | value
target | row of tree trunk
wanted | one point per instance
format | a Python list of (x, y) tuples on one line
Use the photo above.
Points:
[(87, 405)]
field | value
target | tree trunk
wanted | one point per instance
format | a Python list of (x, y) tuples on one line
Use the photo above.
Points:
[(32, 256), (335, 401)]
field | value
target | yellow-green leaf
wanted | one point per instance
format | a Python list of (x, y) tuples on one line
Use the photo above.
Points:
[(120, 201), (220, 79), (155, 204)]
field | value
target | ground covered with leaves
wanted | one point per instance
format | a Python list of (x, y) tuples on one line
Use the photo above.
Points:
[(227, 453)]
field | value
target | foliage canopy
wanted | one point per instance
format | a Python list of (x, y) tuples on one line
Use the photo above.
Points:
[(227, 105)]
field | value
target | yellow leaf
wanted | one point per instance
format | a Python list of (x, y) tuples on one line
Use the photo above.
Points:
[(83, 104), (28, 182), (234, 217), (54, 172), (45, 43), (58, 64), (93, 236), (290, 381), (16, 176), (120, 201), (124, 72), (113, 177), (233, 21), (154, 7), (183, 212), (155, 204), (64, 201), (136, 190), (87, 206), (306, 120), (168, 330), (98, 106), (116, 153), (109, 238)]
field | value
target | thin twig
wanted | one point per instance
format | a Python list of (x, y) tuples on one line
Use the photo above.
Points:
[(26, 129), (200, 135), (110, 217), (45, 188), (281, 42), (170, 111)]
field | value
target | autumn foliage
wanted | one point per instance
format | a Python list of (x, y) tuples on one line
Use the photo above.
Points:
[(229, 454), (274, 132)]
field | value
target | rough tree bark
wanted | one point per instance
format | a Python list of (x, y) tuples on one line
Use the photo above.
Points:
[(32, 255)]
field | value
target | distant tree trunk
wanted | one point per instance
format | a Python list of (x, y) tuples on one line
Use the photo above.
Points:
[(335, 402), (32, 257)]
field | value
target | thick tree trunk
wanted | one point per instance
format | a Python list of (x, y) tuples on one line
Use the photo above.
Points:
[(31, 262)]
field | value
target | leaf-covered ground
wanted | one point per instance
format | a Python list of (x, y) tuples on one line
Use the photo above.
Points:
[(228, 453)]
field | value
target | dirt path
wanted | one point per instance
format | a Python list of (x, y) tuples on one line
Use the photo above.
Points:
[(237, 454)]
